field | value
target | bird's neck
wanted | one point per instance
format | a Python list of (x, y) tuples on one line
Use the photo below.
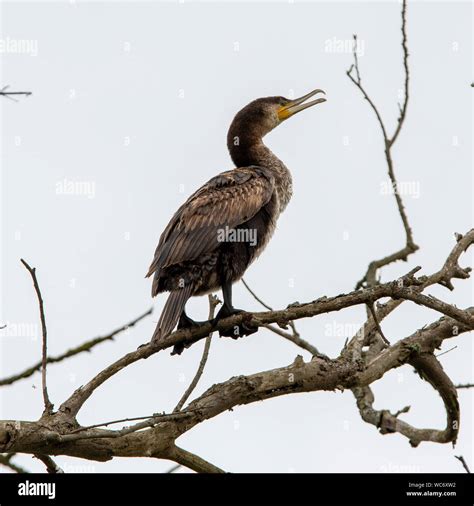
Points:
[(255, 152)]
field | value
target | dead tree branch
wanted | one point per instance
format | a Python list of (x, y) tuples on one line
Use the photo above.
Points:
[(51, 466), (294, 337), (465, 385), (186, 337), (463, 462), (155, 437), (84, 347), (48, 406), (410, 247), (365, 359), (371, 334), (59, 433), (194, 462), (11, 94), (213, 302), (5, 460)]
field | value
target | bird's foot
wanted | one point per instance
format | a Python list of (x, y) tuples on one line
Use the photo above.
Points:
[(240, 330), (187, 323)]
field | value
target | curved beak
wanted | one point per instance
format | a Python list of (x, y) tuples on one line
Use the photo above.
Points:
[(298, 104)]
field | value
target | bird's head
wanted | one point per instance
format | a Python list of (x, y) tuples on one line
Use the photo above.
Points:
[(264, 114)]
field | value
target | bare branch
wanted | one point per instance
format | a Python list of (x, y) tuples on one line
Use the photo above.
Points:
[(186, 337), (403, 109), (377, 323), (444, 276), (5, 460), (463, 462), (255, 296), (10, 94), (444, 352), (173, 469), (85, 347), (194, 462), (410, 247), (425, 340), (294, 337), (87, 433), (213, 302), (357, 82), (48, 406), (113, 422), (155, 437), (51, 466), (431, 370), (465, 385)]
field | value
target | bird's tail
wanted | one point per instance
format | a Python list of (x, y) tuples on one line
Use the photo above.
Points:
[(171, 312)]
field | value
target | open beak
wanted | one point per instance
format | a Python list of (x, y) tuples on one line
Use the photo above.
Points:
[(298, 105)]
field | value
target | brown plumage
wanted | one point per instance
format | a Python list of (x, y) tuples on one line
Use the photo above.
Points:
[(217, 233)]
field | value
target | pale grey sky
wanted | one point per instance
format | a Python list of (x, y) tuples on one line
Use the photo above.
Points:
[(133, 100)]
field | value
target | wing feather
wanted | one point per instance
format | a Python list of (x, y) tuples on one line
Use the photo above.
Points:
[(229, 199)]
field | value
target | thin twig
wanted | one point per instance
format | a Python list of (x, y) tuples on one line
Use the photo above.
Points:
[(173, 469), (465, 385), (356, 60), (120, 420), (294, 337), (410, 247), (255, 296), (213, 302), (150, 421), (5, 460), (85, 347), (357, 82), (8, 94), (447, 351), (48, 406), (51, 466), (377, 323), (463, 462), (403, 109), (194, 462)]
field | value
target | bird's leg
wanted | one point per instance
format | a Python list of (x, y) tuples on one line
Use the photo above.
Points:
[(227, 309), (185, 322)]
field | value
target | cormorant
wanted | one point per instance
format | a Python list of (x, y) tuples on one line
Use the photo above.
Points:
[(222, 227)]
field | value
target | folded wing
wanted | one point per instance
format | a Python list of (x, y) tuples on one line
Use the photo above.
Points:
[(227, 200)]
